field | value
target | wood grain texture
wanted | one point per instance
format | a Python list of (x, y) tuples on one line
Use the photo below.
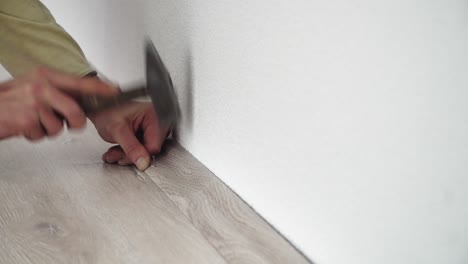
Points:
[(60, 204), (56, 208), (238, 233)]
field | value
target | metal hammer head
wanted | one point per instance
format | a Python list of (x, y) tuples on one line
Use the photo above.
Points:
[(158, 86)]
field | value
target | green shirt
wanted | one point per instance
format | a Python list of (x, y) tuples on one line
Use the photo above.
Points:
[(30, 37)]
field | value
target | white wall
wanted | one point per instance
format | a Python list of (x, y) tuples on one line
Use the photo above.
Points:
[(342, 122), (4, 75)]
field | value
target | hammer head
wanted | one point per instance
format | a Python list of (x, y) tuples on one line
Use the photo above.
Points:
[(160, 88)]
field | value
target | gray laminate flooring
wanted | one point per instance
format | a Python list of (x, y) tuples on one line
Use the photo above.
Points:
[(60, 204)]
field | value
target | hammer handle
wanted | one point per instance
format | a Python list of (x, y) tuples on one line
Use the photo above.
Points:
[(94, 104)]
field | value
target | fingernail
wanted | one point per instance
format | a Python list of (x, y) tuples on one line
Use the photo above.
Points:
[(142, 164)]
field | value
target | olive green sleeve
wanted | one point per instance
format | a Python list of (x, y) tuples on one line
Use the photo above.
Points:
[(30, 37)]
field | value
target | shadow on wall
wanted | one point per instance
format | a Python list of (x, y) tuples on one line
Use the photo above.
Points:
[(185, 96), (187, 112), (169, 25)]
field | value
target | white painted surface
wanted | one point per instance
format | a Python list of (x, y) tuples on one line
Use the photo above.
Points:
[(342, 122), (4, 75)]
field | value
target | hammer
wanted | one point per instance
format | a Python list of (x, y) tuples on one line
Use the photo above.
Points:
[(159, 87)]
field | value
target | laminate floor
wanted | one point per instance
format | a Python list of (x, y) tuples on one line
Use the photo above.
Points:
[(60, 204)]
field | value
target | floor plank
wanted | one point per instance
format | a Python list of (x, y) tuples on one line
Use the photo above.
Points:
[(226, 221), (60, 204), (54, 209)]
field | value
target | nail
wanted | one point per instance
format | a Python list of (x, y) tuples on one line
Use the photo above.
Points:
[(142, 164)]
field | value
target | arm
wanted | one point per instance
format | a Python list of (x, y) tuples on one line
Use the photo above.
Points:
[(40, 41), (30, 38)]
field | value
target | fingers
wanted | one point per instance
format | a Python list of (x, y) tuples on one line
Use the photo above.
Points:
[(116, 154), (153, 135), (123, 126), (124, 161), (152, 138), (65, 106), (51, 123), (76, 84), (47, 123), (134, 150), (40, 96), (113, 154), (34, 132)]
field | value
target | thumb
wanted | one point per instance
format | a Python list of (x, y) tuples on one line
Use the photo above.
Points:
[(125, 137)]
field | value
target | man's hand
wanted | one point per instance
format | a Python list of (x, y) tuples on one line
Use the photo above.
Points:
[(135, 127), (35, 105)]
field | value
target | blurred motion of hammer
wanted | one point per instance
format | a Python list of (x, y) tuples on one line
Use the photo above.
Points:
[(159, 88)]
